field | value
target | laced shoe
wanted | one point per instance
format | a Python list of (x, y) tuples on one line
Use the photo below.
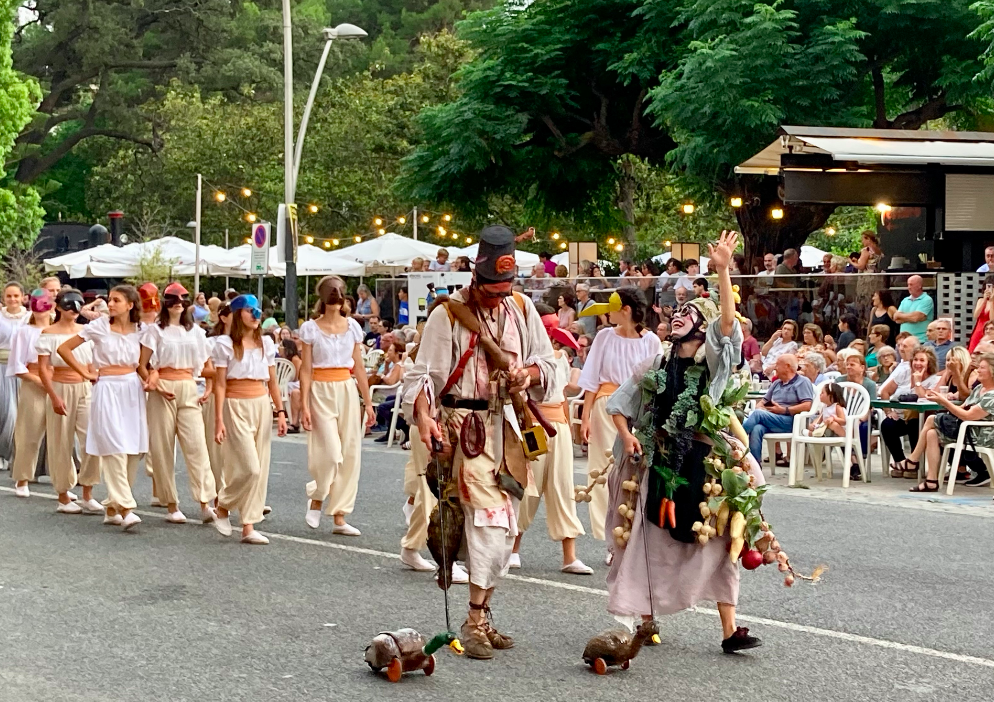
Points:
[(475, 642)]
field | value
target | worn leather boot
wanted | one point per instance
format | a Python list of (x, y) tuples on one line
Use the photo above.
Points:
[(475, 641), (498, 640)]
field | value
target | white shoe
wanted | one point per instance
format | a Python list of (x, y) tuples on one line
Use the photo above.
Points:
[(115, 520), (578, 567), (313, 518), (132, 520), (254, 537), (514, 561), (223, 525), (413, 560), (22, 491), (266, 510), (207, 515), (176, 517), (69, 508), (155, 502), (72, 496), (346, 530), (91, 506), (459, 575), (408, 511), (609, 558)]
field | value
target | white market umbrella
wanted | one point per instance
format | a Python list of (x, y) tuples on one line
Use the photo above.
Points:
[(310, 261), (388, 253), (811, 257), (109, 261)]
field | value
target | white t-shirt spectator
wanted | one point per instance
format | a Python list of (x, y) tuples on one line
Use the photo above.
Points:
[(436, 266)]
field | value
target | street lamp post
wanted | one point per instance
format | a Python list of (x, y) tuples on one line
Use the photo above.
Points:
[(291, 155)]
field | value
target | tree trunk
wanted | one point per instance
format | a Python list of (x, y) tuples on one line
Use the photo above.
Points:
[(626, 200), (761, 233)]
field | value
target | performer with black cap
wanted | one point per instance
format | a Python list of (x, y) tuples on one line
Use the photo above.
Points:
[(67, 415), (175, 350), (482, 355)]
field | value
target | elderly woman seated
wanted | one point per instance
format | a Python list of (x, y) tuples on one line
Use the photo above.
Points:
[(943, 428), (812, 367), (898, 425)]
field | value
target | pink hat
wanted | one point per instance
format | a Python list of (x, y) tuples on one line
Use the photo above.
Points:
[(550, 322), (564, 337)]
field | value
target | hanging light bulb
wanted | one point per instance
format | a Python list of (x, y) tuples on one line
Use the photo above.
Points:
[(327, 244), (248, 240), (830, 231), (358, 239), (619, 248), (313, 209), (381, 231), (469, 240), (688, 208), (776, 213), (555, 235), (668, 244), (441, 231), (251, 217), (563, 245), (736, 202), (309, 239), (334, 242), (246, 192), (220, 197), (378, 221), (425, 218), (447, 218), (402, 220), (610, 241)]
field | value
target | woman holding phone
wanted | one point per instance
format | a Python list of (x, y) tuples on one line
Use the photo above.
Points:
[(983, 312)]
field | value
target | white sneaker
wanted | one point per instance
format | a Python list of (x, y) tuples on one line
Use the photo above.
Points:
[(254, 537), (514, 561), (609, 558), (408, 511), (155, 502), (113, 520), (459, 575), (313, 518), (69, 508), (578, 567), (132, 520), (207, 514), (22, 491), (223, 525), (346, 530), (266, 510), (176, 517), (91, 506), (413, 560), (72, 496)]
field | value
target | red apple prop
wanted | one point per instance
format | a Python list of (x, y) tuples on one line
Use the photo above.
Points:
[(752, 559)]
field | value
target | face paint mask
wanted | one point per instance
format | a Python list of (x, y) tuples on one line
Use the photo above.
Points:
[(40, 301), (71, 302)]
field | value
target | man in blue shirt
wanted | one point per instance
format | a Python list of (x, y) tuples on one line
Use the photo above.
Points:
[(916, 310), (790, 393), (402, 309)]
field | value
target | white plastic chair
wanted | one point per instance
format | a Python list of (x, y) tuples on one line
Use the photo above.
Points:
[(394, 411), (285, 372), (987, 454), (372, 359), (857, 409), (831, 375)]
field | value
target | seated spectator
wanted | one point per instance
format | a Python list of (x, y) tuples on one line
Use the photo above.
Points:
[(878, 337), (441, 262), (901, 376), (597, 279), (828, 263), (566, 313), (847, 330), (941, 341), (979, 406), (701, 287), (886, 364), (855, 366), (583, 348), (831, 421), (784, 340), (389, 372), (539, 282), (959, 366), (462, 264), (418, 265), (667, 283), (812, 367), (403, 310), (562, 271), (751, 353), (663, 330), (898, 425), (815, 340), (681, 295), (289, 350), (692, 269), (852, 266), (789, 394)]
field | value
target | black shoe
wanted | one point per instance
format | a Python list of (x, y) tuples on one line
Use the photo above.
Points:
[(854, 473), (740, 641), (978, 480), (964, 478), (293, 429), (382, 439)]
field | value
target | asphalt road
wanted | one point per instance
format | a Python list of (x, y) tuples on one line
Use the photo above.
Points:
[(179, 613)]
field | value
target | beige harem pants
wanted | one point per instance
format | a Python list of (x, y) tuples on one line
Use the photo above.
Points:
[(62, 433), (248, 425), (553, 474), (29, 431), (602, 436), (179, 418), (333, 445)]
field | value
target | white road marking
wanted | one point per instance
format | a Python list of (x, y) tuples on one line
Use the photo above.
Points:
[(774, 623)]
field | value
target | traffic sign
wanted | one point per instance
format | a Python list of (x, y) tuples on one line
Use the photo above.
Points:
[(259, 263)]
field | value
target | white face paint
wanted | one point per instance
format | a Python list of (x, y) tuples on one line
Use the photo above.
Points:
[(685, 320)]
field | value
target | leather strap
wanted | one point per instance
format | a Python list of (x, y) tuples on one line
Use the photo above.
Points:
[(461, 366)]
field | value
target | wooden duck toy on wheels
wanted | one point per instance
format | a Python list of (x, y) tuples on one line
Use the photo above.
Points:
[(617, 647), (404, 651)]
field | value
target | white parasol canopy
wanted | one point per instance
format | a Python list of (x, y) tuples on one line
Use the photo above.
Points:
[(109, 261), (388, 253), (311, 260), (525, 260)]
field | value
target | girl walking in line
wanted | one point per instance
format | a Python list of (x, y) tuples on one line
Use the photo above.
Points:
[(67, 415), (207, 407), (177, 351), (331, 413), (31, 399), (245, 368), (118, 431)]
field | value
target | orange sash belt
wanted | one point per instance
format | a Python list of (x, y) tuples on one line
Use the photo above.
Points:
[(66, 375), (176, 373), (244, 388), (605, 390), (553, 413), (331, 375), (117, 370)]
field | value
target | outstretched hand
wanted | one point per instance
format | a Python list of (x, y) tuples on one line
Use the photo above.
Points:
[(721, 253)]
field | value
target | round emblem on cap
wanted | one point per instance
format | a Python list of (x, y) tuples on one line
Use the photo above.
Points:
[(505, 264)]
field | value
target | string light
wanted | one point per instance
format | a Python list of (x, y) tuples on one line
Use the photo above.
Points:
[(619, 248), (441, 231), (381, 231), (563, 245), (358, 239), (830, 231), (776, 213), (309, 239), (688, 208), (425, 218), (327, 244), (378, 221), (668, 244), (248, 240), (611, 241), (220, 197), (402, 220), (246, 192), (555, 236), (251, 217), (736, 202), (469, 240), (313, 209), (447, 218), (334, 242)]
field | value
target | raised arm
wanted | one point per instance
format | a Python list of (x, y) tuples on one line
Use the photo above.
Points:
[(721, 255)]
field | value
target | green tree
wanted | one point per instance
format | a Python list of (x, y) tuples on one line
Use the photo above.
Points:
[(550, 115), (20, 212)]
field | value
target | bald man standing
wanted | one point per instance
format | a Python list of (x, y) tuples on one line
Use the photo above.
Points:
[(916, 310)]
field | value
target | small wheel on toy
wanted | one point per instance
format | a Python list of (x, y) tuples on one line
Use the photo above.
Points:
[(600, 666), (430, 665), (625, 665), (395, 670)]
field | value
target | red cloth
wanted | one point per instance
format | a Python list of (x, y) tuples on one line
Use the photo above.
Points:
[(550, 267), (978, 331)]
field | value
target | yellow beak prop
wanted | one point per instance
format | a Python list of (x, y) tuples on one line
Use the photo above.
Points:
[(613, 304)]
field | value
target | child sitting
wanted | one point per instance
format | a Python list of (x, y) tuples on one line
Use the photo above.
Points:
[(832, 420)]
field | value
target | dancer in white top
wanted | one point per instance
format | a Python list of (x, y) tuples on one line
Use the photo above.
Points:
[(67, 415), (611, 361), (245, 367), (31, 400), (214, 451), (12, 314), (176, 352), (331, 356), (118, 432)]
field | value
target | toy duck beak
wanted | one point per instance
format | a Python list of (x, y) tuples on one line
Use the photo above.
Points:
[(456, 647), (655, 639)]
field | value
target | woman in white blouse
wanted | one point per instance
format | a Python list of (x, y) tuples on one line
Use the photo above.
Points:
[(176, 352), (331, 355), (245, 368), (783, 340), (611, 361), (67, 415), (214, 452), (118, 432), (31, 398)]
